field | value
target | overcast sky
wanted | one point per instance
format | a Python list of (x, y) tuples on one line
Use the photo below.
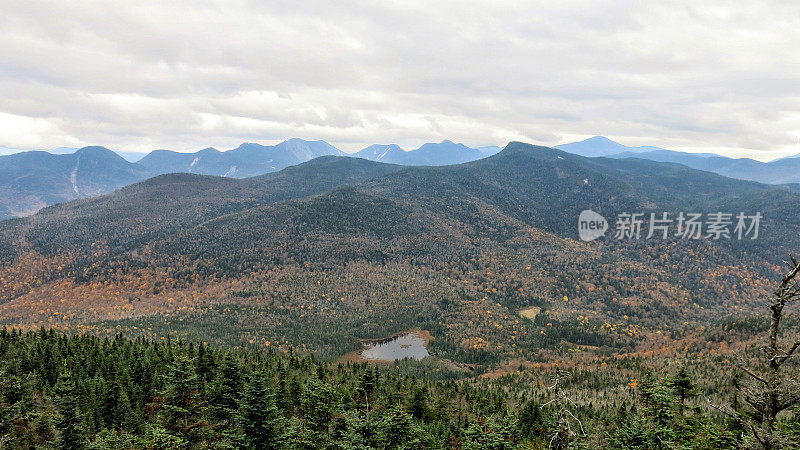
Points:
[(141, 75)]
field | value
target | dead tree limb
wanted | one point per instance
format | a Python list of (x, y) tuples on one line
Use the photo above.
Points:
[(772, 392)]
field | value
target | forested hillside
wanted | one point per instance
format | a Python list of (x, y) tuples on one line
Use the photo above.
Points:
[(313, 260), (455, 250), (325, 254), (85, 392)]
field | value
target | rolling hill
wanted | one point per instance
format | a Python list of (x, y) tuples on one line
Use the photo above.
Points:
[(371, 249)]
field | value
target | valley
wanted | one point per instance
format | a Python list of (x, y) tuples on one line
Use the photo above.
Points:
[(399, 225), (388, 248), (323, 257)]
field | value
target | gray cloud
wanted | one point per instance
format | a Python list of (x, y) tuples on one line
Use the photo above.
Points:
[(722, 76)]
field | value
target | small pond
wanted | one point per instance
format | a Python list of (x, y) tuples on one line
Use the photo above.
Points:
[(408, 345)]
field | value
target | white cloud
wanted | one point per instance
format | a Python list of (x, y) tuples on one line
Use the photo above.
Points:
[(718, 75)]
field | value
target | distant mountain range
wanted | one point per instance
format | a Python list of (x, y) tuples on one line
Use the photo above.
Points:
[(431, 154), (32, 180), (602, 146), (780, 171), (129, 156), (244, 161), (35, 179)]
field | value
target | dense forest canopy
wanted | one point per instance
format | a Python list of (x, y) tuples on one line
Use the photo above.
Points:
[(59, 391)]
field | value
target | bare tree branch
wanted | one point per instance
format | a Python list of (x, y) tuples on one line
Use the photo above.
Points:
[(580, 424), (772, 392), (750, 372), (735, 416)]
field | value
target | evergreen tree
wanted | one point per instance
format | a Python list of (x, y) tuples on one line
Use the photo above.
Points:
[(661, 409), (635, 433), (418, 404), (125, 417), (490, 434), (360, 432), (70, 429), (299, 437), (367, 385), (183, 406), (260, 416), (530, 422), (282, 390), (318, 403), (205, 363), (398, 431), (682, 385), (227, 394)]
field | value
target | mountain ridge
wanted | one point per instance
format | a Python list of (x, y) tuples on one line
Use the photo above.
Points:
[(601, 146), (472, 242), (34, 179), (38, 179), (779, 171), (446, 152)]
